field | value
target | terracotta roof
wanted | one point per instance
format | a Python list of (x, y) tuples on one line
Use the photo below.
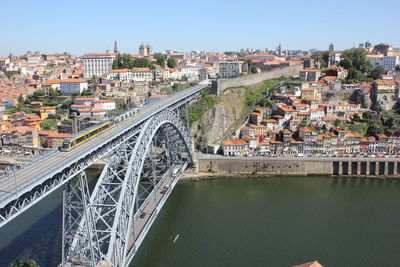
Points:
[(234, 142), (309, 264), (72, 81)]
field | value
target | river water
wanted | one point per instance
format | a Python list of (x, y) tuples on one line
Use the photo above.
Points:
[(245, 222)]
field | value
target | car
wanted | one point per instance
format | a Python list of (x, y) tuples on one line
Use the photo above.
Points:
[(166, 186), (142, 215)]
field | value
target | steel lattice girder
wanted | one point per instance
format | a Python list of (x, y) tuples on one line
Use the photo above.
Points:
[(116, 196)]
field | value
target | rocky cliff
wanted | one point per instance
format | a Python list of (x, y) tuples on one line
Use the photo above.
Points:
[(220, 118)]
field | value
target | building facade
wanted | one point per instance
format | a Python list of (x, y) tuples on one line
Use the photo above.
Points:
[(97, 64)]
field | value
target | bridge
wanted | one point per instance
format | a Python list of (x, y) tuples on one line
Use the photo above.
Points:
[(146, 154)]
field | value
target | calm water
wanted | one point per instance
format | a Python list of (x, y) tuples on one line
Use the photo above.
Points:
[(252, 222)]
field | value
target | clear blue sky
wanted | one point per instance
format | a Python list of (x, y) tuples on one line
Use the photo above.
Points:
[(216, 25)]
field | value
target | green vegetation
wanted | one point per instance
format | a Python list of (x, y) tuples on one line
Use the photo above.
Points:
[(197, 110), (160, 59), (171, 62), (27, 263), (322, 58), (376, 72), (8, 74), (125, 61), (253, 97), (356, 62), (253, 69), (11, 110), (49, 124), (372, 123), (175, 88)]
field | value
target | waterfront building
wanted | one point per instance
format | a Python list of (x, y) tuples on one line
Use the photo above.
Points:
[(236, 147)]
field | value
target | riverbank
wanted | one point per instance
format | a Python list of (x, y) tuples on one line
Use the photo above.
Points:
[(190, 176), (297, 166)]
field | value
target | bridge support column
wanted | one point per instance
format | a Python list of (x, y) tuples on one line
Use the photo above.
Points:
[(376, 172), (386, 168), (358, 168), (395, 168), (78, 222), (367, 168), (340, 172)]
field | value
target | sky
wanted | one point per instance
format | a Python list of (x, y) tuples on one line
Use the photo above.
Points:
[(83, 26)]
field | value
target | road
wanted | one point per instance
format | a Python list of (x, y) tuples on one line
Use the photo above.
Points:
[(288, 158), (25, 179)]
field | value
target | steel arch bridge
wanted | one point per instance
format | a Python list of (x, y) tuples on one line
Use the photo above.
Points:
[(107, 226)]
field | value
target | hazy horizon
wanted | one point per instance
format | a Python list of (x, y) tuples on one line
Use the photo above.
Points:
[(80, 27)]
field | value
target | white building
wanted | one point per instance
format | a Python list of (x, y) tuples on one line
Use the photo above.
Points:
[(229, 69), (105, 104), (387, 62), (334, 57), (141, 75), (190, 72), (69, 86), (97, 64), (124, 75), (236, 147), (33, 61)]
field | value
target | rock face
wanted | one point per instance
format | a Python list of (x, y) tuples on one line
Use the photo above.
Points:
[(219, 119)]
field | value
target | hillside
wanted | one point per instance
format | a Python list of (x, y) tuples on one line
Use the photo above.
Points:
[(213, 118)]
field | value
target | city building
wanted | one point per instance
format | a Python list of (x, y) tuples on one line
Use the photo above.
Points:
[(311, 75), (69, 86), (97, 64), (229, 69), (387, 62)]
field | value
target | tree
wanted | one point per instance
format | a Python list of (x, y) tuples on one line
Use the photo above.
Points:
[(49, 124), (397, 68), (171, 62), (160, 59), (141, 63), (337, 122), (374, 128), (20, 99), (123, 61), (356, 117), (38, 93), (376, 72), (54, 92), (27, 263), (253, 69), (356, 62)]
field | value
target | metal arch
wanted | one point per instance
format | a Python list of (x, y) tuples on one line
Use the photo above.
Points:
[(116, 196), (123, 220)]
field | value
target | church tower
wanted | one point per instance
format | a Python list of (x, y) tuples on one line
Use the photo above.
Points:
[(116, 47)]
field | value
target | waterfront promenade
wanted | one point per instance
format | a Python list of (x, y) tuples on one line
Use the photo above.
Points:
[(288, 165)]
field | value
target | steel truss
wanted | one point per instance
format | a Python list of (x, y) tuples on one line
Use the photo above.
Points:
[(108, 225)]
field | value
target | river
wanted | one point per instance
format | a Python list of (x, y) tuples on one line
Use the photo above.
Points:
[(245, 222)]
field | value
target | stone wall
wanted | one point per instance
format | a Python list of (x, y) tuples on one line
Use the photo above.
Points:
[(238, 166), (300, 166), (220, 85)]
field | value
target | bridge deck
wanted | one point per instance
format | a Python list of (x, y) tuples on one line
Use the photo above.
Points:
[(27, 178)]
